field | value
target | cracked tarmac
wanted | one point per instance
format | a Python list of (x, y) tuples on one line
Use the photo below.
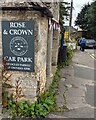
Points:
[(79, 80)]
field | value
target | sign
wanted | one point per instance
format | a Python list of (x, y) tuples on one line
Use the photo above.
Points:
[(18, 45), (66, 35)]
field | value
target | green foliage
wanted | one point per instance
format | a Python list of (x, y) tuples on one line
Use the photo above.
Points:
[(92, 19), (69, 56), (63, 11), (86, 20), (82, 18), (44, 104)]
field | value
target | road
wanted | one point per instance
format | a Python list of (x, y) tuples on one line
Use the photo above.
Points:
[(92, 53), (87, 71), (80, 80), (84, 75), (84, 69), (90, 89)]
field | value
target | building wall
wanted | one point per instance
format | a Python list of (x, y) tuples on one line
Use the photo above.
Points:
[(52, 43), (56, 11), (54, 8), (55, 47), (32, 83)]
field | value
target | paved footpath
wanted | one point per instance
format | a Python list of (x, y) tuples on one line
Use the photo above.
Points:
[(79, 79)]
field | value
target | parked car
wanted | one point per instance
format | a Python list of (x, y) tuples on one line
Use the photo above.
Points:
[(90, 43)]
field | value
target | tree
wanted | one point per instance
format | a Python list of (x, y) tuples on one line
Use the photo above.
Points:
[(92, 19), (63, 11), (82, 18), (86, 20)]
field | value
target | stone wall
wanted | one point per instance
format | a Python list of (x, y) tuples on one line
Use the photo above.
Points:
[(52, 44), (56, 11), (55, 47), (32, 84)]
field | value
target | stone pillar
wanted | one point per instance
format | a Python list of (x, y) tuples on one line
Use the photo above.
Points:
[(49, 57), (55, 47), (32, 83)]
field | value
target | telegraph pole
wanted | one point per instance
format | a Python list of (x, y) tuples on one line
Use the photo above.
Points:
[(70, 18)]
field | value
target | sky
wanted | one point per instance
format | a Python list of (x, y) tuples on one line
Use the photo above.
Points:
[(77, 4)]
